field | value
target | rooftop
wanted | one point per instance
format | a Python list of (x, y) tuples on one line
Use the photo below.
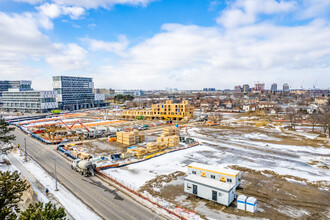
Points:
[(210, 182), (215, 169)]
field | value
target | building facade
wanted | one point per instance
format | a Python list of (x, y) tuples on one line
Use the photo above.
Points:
[(23, 101), (75, 93), (129, 92), (167, 110), (22, 85), (286, 87), (246, 88), (212, 183), (273, 87)]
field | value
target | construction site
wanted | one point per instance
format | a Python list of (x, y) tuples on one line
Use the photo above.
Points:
[(149, 150)]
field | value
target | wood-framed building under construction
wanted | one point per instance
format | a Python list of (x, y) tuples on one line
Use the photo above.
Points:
[(165, 111)]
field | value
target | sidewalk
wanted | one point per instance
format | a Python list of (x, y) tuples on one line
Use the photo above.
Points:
[(38, 189)]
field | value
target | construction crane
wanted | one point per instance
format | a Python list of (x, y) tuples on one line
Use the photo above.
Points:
[(73, 124)]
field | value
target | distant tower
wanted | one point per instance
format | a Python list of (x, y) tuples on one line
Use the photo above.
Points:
[(286, 87), (260, 87), (273, 87), (237, 89), (246, 88)]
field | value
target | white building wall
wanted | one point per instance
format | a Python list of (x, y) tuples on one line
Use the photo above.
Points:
[(99, 97), (203, 191)]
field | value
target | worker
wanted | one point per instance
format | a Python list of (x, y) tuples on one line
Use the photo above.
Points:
[(47, 191), (18, 146)]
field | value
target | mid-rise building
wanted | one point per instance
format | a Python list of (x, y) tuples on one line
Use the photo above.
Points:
[(129, 92), (246, 88), (273, 87), (209, 89), (23, 101), (212, 183), (286, 87), (168, 110), (259, 87), (75, 92), (237, 89), (21, 85)]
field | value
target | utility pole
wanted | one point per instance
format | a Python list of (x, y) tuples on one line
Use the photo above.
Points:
[(56, 189), (25, 150)]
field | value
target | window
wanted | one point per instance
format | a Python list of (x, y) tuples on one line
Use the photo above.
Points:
[(212, 176), (229, 180), (193, 172)]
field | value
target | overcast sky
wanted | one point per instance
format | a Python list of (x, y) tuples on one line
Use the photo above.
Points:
[(154, 44)]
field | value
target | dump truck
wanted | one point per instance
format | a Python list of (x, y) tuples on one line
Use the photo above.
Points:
[(84, 167)]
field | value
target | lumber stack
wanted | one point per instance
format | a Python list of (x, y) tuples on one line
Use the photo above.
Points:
[(169, 141), (130, 138), (170, 131)]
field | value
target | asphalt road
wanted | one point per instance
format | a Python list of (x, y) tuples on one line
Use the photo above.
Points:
[(107, 201)]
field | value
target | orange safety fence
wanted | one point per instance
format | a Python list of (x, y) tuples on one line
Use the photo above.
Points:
[(55, 123), (98, 123), (73, 115), (38, 120)]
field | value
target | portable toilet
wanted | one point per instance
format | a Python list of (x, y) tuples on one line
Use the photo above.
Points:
[(241, 202), (251, 204)]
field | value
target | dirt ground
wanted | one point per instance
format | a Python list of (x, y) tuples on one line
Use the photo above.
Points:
[(277, 197)]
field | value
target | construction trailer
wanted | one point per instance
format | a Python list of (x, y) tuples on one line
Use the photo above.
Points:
[(217, 173), (220, 192)]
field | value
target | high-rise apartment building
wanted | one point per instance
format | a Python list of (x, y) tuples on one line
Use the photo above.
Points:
[(237, 89), (259, 87), (246, 88), (273, 87), (75, 92), (286, 87)]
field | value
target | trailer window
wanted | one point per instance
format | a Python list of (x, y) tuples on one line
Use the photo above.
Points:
[(193, 172), (212, 176), (229, 180)]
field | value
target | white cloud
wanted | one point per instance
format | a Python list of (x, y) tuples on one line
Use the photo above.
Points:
[(67, 57), (243, 12), (55, 10), (116, 47), (22, 43), (32, 2), (194, 57), (102, 3)]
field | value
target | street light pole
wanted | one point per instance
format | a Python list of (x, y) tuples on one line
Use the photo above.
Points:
[(56, 189), (25, 150)]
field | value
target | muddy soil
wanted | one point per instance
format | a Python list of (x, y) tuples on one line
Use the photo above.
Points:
[(277, 197)]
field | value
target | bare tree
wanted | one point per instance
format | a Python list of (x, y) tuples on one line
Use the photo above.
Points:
[(292, 116), (277, 109), (314, 118)]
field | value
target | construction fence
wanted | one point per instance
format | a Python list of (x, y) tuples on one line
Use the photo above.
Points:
[(176, 211)]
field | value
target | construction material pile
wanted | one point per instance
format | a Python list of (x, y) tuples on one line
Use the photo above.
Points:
[(169, 141), (170, 137), (153, 147), (170, 131), (130, 138), (137, 151)]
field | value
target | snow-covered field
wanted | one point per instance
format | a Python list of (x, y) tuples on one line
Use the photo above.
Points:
[(73, 205), (239, 150)]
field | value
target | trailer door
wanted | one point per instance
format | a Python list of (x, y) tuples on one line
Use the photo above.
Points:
[(214, 195), (194, 189)]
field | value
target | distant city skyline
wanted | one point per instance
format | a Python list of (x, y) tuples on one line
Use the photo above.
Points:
[(159, 44)]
